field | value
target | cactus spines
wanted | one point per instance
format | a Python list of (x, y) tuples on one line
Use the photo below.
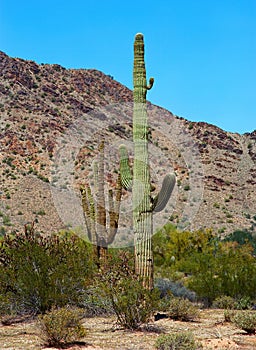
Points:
[(100, 233), (144, 205)]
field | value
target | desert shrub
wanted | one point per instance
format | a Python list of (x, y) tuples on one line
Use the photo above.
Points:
[(245, 320), (61, 326), (237, 270), (224, 302), (183, 310), (242, 237), (204, 264), (244, 303), (229, 315), (95, 304), (38, 272), (132, 304), (4, 303), (170, 246), (168, 287), (179, 341), (228, 270)]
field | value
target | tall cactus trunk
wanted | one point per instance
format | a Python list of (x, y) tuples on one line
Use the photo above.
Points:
[(144, 203), (142, 206)]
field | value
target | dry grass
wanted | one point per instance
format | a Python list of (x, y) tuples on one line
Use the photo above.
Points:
[(103, 334)]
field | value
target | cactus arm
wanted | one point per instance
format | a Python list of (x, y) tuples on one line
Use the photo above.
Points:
[(114, 209), (160, 201), (89, 213), (112, 223), (118, 194), (101, 231), (100, 198), (151, 83), (101, 207), (113, 220), (92, 216), (86, 210), (125, 169)]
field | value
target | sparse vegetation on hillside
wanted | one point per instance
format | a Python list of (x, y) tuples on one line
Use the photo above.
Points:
[(40, 103)]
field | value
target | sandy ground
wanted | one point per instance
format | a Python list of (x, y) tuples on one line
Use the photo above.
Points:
[(103, 333)]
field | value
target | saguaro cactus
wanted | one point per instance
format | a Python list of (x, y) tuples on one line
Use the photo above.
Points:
[(95, 211), (139, 179)]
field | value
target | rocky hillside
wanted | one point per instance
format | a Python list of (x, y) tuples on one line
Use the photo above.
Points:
[(52, 120)]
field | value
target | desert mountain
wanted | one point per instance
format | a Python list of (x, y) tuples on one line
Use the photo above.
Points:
[(52, 120)]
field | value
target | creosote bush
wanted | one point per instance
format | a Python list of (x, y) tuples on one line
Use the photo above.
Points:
[(245, 320), (39, 272), (183, 310), (61, 326), (177, 341), (227, 302), (244, 303), (224, 302), (229, 315), (95, 304), (132, 304)]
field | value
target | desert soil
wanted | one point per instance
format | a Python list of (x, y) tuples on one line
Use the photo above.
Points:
[(103, 333)]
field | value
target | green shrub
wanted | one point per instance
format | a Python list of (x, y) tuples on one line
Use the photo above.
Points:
[(229, 269), (2, 231), (95, 304), (61, 326), (229, 315), (244, 303), (212, 267), (6, 306), (177, 341), (171, 246), (168, 287), (132, 304), (183, 310), (242, 237), (224, 302), (245, 320), (38, 272)]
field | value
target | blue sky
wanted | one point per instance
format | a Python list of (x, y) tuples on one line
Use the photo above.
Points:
[(202, 53)]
